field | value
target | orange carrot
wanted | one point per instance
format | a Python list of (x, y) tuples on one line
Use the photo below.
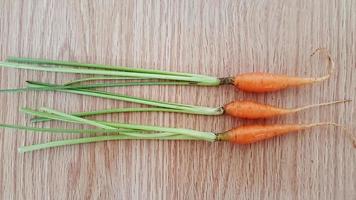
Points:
[(254, 133), (267, 82), (253, 110)]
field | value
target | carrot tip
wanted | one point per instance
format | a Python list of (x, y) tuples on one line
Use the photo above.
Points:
[(331, 63), (323, 124), (347, 133), (319, 104)]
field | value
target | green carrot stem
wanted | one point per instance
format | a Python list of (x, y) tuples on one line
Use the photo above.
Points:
[(209, 136), (95, 139), (206, 80), (110, 111), (92, 86), (50, 116), (61, 130), (132, 133), (104, 85), (184, 107), (103, 78), (97, 78), (69, 118), (94, 66), (77, 119), (46, 115), (18, 89), (94, 123)]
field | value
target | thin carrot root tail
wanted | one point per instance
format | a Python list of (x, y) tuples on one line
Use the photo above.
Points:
[(331, 64), (323, 124), (344, 130), (319, 105)]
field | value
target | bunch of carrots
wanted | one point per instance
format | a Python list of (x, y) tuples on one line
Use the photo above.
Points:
[(126, 76)]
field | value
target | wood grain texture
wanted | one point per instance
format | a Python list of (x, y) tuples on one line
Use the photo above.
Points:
[(219, 38)]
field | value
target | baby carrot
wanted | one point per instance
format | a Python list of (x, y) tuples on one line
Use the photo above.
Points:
[(266, 82), (254, 133), (241, 108), (252, 110), (250, 82)]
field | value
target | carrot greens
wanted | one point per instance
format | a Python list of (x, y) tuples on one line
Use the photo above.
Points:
[(175, 107), (103, 70), (118, 131), (95, 139)]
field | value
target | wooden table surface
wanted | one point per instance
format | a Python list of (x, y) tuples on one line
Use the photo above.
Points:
[(218, 38)]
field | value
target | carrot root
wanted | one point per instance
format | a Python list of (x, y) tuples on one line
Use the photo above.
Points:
[(246, 109), (255, 133), (267, 82), (253, 110)]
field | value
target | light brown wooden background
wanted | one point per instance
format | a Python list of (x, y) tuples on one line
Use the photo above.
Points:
[(218, 38)]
